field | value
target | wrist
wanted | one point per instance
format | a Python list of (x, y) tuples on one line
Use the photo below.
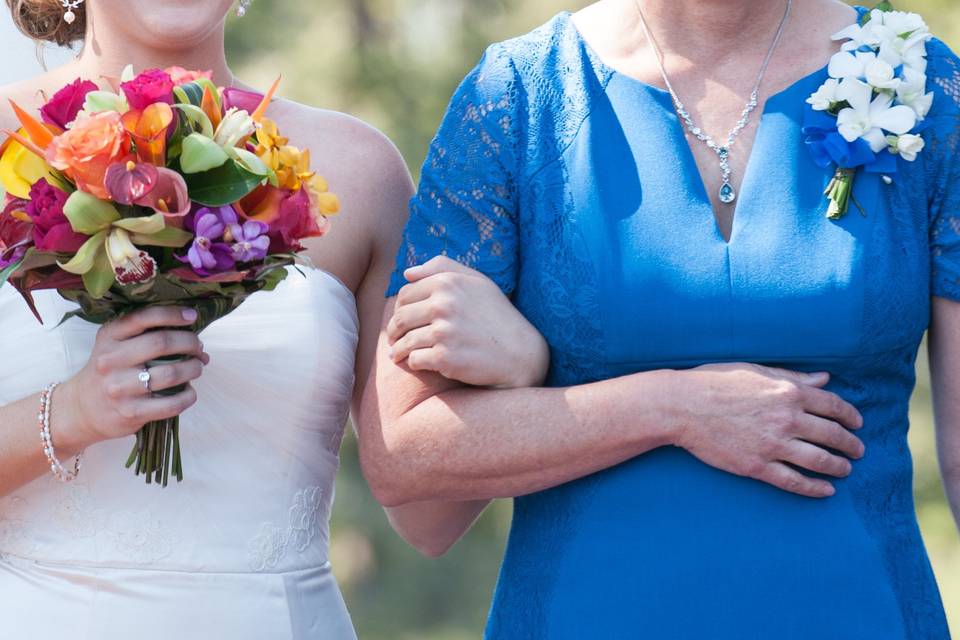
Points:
[(68, 426), (666, 416), (532, 369)]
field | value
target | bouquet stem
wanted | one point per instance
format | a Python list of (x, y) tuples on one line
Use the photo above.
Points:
[(838, 192), (156, 453)]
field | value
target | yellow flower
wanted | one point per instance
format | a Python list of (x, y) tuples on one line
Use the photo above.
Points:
[(325, 203), (268, 135), (20, 168)]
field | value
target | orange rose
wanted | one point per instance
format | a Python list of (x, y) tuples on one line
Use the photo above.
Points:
[(85, 150)]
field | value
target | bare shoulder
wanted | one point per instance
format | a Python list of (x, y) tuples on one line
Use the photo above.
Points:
[(366, 171), (26, 93)]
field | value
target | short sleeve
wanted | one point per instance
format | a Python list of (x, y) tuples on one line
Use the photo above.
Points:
[(466, 205), (943, 173)]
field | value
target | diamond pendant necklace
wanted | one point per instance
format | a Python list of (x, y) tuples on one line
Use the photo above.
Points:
[(727, 193)]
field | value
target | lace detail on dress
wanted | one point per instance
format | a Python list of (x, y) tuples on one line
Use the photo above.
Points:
[(271, 544), (139, 536), (943, 170), (466, 202), (497, 159)]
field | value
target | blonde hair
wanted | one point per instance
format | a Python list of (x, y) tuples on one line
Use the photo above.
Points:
[(42, 21)]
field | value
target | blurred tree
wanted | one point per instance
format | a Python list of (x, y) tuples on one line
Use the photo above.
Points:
[(395, 63)]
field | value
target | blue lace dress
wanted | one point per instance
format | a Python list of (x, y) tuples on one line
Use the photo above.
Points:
[(572, 187)]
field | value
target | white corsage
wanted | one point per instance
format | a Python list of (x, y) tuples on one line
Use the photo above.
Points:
[(869, 110)]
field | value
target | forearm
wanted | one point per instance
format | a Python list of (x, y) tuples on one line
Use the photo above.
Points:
[(944, 356), (474, 444), (21, 453)]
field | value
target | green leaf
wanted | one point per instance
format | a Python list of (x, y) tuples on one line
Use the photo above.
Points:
[(143, 224), (8, 271), (208, 84), (168, 237), (100, 278), (199, 153), (197, 118), (86, 257), (88, 214), (181, 96), (100, 101), (193, 93), (127, 74), (251, 162), (222, 186)]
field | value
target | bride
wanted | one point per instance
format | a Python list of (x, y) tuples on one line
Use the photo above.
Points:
[(240, 549)]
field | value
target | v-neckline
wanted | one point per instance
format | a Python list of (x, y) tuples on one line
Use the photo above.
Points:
[(664, 96)]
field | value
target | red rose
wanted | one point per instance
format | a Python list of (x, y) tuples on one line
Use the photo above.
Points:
[(153, 85), (51, 229), (63, 107)]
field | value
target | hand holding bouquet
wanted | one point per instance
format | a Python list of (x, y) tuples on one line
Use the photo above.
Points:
[(164, 190)]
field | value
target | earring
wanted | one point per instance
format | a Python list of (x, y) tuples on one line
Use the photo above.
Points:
[(242, 7), (68, 6)]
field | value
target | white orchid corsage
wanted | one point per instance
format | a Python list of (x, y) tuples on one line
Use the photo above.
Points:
[(870, 110)]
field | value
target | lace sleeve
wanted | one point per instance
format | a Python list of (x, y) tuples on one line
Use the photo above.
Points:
[(465, 207), (943, 173)]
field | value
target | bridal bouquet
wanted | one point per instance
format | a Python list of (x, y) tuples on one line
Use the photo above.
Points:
[(871, 108), (164, 190)]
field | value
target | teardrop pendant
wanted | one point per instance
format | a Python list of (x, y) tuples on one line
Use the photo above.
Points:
[(727, 194), (69, 17)]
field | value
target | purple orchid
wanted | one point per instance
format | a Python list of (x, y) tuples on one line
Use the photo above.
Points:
[(208, 254), (250, 240)]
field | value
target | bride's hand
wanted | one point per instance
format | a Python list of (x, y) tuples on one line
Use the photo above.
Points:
[(757, 421), (456, 322), (106, 399)]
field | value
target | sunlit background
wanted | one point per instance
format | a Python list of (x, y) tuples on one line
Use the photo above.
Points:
[(395, 63)]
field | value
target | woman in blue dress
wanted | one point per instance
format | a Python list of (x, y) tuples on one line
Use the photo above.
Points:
[(719, 449)]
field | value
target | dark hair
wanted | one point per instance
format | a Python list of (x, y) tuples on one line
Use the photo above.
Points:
[(42, 20)]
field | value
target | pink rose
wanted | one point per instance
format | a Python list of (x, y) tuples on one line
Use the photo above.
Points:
[(63, 107), (51, 229), (88, 148), (180, 76), (153, 85)]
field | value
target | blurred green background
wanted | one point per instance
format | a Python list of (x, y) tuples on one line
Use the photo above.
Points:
[(395, 63)]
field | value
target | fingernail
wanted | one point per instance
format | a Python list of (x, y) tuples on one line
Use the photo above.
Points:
[(189, 315)]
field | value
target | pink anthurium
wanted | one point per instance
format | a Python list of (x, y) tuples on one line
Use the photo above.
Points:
[(169, 196), (127, 183)]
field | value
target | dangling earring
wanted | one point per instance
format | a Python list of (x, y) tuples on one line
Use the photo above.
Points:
[(242, 7), (68, 6)]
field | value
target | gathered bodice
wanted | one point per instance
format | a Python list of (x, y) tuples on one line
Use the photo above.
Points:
[(260, 447)]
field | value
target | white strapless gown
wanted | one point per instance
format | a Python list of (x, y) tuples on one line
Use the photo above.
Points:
[(239, 549)]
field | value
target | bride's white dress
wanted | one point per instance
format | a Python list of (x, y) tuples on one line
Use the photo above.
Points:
[(239, 549)]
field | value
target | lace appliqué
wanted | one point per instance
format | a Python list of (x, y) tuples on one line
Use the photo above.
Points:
[(139, 536), (272, 543)]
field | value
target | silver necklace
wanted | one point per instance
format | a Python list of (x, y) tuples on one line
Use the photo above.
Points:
[(727, 194)]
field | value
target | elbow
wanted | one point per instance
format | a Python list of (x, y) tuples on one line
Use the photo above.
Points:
[(386, 474), (432, 549)]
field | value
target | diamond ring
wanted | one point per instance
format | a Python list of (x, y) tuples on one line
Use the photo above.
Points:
[(144, 378)]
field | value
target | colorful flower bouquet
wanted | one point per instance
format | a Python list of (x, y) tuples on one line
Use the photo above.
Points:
[(871, 108), (164, 190)]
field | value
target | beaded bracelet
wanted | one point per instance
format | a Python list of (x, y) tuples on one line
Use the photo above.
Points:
[(43, 418)]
